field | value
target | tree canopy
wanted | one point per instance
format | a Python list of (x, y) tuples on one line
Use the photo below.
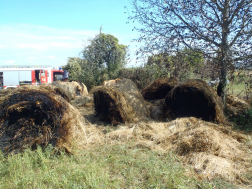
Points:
[(221, 29), (102, 58), (105, 51)]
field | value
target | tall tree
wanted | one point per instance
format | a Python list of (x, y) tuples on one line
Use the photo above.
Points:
[(221, 29), (106, 53)]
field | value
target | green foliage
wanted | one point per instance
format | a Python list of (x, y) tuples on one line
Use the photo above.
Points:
[(102, 59), (106, 53), (141, 76), (74, 67), (118, 166), (182, 65), (243, 121)]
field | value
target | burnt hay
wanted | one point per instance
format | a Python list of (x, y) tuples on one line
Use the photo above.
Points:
[(159, 88), (36, 116), (120, 103), (195, 98)]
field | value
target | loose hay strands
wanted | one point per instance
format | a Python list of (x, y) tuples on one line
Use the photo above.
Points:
[(213, 150), (38, 116), (83, 101), (195, 98), (159, 88), (236, 106), (121, 102)]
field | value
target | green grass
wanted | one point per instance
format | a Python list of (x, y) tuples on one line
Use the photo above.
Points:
[(236, 89), (119, 166)]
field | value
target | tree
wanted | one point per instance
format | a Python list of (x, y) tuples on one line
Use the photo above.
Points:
[(181, 64), (221, 29), (74, 67), (83, 71), (106, 53), (101, 59)]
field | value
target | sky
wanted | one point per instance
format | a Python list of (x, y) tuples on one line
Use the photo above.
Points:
[(47, 32)]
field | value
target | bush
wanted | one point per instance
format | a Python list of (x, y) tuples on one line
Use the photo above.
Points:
[(141, 76), (243, 121)]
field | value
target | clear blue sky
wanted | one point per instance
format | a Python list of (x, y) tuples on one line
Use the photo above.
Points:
[(47, 32)]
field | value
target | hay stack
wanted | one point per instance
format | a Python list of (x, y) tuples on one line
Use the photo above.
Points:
[(159, 88), (38, 116), (236, 106), (72, 89), (52, 88), (83, 101), (212, 150), (194, 98), (121, 102)]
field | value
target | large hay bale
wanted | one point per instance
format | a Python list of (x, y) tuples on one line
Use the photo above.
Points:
[(194, 98), (38, 116), (159, 88), (72, 89), (121, 102), (52, 88)]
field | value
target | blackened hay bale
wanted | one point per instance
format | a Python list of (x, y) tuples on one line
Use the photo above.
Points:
[(156, 110), (194, 98), (37, 116), (120, 103), (159, 88)]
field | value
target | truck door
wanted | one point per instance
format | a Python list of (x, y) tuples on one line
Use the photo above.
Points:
[(40, 76)]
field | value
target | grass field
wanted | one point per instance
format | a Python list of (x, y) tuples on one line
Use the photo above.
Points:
[(118, 166)]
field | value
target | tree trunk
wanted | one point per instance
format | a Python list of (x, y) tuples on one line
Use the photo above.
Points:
[(221, 89), (224, 53)]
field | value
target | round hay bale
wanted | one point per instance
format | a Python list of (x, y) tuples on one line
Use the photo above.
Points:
[(72, 89), (37, 116), (194, 98), (52, 88), (159, 88), (120, 103)]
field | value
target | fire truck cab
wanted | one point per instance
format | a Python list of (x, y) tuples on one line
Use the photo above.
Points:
[(15, 76)]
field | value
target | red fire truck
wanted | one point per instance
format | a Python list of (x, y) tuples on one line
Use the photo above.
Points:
[(15, 76)]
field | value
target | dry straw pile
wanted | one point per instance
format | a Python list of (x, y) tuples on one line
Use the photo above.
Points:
[(211, 150), (208, 150), (120, 103), (71, 89), (31, 116), (195, 98), (236, 105), (159, 88)]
